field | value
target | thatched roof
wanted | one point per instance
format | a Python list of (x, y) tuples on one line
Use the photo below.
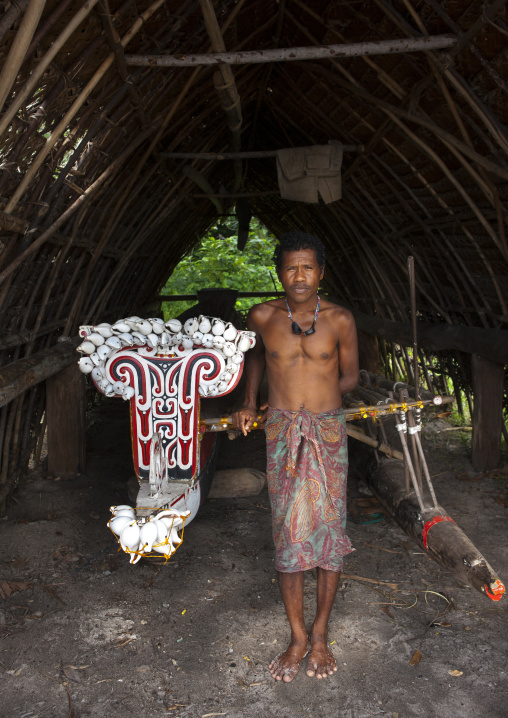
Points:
[(96, 215)]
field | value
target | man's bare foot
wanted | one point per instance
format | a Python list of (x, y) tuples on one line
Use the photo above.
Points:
[(321, 661), (286, 665)]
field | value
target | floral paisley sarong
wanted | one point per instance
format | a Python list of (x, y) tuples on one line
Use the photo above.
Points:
[(307, 475)]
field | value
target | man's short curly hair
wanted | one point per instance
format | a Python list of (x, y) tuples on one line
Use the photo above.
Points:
[(293, 241)]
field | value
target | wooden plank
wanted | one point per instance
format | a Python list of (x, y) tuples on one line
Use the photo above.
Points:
[(488, 380), (65, 411), (288, 54), (489, 343), (19, 376), (255, 154)]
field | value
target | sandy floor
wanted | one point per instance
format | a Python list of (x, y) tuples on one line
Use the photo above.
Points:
[(83, 633)]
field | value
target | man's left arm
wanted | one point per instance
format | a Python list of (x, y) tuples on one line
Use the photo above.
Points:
[(348, 353)]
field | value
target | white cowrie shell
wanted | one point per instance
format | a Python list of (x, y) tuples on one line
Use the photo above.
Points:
[(227, 376), (197, 338), (190, 326), (157, 325), (129, 538), (132, 321), (95, 358), (174, 325), (104, 330), (138, 338), (87, 347), (121, 327), (204, 324), (243, 344), (213, 391), (208, 341), (126, 339), (203, 390), (164, 339), (86, 365), (96, 339), (230, 333), (97, 373), (148, 535), (234, 367), (229, 349), (102, 383), (118, 386), (222, 386), (114, 343), (178, 337), (218, 327), (108, 390), (187, 342), (128, 393), (104, 351), (144, 327), (218, 342), (237, 358), (118, 523), (152, 339)]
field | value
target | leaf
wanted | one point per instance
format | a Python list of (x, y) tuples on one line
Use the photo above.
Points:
[(456, 673), (8, 587), (416, 658)]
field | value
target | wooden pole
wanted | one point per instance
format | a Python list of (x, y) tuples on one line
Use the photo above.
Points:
[(43, 64), (258, 154), (76, 106), (19, 376), (65, 411), (19, 47), (488, 382), (290, 54)]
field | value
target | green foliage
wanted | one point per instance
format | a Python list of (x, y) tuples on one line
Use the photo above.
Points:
[(216, 262)]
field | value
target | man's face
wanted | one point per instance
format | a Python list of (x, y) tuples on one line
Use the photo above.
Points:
[(300, 274)]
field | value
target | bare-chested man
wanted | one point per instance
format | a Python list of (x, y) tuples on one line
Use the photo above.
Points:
[(309, 349)]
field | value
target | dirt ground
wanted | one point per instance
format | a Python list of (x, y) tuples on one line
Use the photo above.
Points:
[(83, 633)]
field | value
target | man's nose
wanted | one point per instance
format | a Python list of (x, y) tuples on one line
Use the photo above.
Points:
[(300, 274)]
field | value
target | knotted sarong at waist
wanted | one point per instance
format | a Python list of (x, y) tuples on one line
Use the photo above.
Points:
[(307, 476)]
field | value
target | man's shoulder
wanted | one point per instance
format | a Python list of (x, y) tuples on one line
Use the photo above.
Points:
[(335, 311), (264, 310)]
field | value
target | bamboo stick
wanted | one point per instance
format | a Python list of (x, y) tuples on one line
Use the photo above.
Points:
[(43, 64), (290, 54), (77, 104), (85, 197), (10, 16), (19, 47)]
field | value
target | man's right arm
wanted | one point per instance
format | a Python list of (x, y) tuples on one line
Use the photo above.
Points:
[(254, 369)]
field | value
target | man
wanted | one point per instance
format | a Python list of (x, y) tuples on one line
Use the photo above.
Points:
[(309, 349)]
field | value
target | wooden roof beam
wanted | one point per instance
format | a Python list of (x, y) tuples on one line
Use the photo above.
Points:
[(289, 54)]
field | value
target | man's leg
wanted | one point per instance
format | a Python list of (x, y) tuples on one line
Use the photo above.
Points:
[(321, 662), (284, 667)]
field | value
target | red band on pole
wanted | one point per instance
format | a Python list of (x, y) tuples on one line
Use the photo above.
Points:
[(429, 524)]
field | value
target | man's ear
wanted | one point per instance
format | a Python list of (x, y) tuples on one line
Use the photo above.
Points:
[(321, 273)]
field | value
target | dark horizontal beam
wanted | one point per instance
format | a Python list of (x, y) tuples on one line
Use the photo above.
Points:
[(261, 154), (189, 297), (488, 343), (233, 195), (288, 54), (19, 376)]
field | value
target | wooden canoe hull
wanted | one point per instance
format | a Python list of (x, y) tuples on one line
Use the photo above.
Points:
[(433, 530)]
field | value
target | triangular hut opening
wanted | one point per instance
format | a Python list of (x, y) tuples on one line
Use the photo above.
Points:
[(112, 123)]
